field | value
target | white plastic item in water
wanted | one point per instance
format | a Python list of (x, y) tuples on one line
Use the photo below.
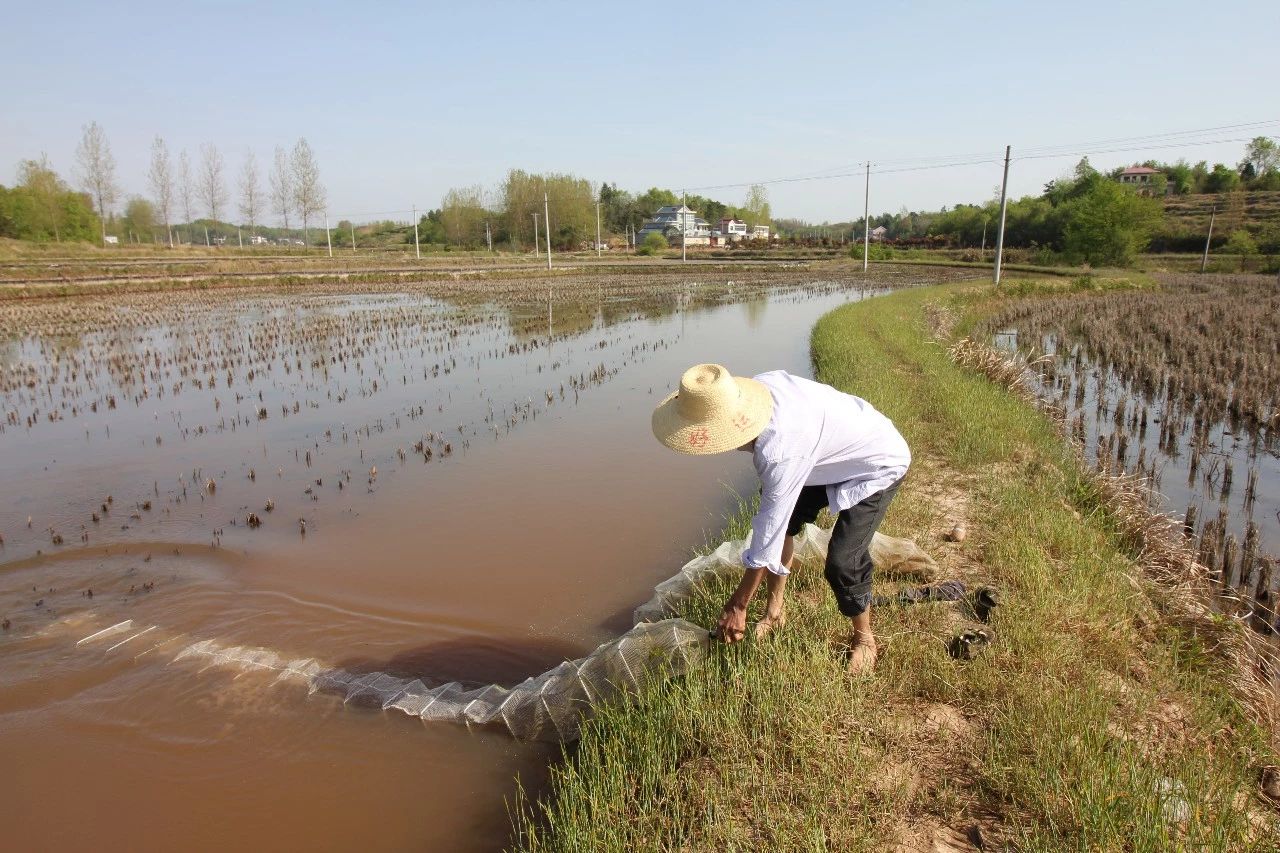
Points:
[(547, 707), (550, 706)]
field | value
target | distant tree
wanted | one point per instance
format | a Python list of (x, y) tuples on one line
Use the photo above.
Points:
[(280, 180), (212, 187), (186, 188), (462, 215), (308, 193), (652, 245), (1180, 177), (250, 192), (1200, 177), (648, 202), (46, 191), (22, 218), (756, 207), (430, 229), (1263, 154), (618, 207), (1109, 224), (97, 171), (521, 197), (1241, 242), (1268, 180), (139, 218), (1222, 179), (160, 180)]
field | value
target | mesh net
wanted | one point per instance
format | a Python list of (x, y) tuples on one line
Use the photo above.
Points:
[(550, 706)]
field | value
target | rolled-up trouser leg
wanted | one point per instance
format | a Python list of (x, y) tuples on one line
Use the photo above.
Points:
[(849, 554)]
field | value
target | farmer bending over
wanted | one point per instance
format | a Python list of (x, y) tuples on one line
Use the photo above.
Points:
[(813, 446)]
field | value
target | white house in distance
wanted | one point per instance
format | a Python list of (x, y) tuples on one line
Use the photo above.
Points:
[(733, 229), (878, 233), (675, 221)]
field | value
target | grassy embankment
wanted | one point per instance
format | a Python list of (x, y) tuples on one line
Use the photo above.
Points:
[(1092, 723)]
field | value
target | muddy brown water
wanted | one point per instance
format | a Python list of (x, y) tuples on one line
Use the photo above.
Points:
[(540, 519)]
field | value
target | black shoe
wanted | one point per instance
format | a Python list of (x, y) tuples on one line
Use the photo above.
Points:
[(967, 644), (985, 600)]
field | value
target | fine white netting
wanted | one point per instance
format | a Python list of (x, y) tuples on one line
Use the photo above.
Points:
[(549, 706)]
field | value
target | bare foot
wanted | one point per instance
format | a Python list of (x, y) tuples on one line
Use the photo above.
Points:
[(862, 657), (769, 624)]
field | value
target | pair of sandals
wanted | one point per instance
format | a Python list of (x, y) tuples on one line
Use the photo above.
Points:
[(970, 641)]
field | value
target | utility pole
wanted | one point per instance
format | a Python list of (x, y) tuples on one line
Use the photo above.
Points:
[(982, 253), (239, 237), (206, 236), (1004, 207), (537, 253), (1204, 259), (684, 229), (598, 229), (328, 241), (353, 235), (488, 236), (866, 221), (416, 250), (546, 221)]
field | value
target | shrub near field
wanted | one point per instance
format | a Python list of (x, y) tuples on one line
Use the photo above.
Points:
[(1093, 723)]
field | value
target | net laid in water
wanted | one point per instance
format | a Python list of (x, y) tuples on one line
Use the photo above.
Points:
[(550, 706)]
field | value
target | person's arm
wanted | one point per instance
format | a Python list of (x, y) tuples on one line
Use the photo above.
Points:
[(781, 483)]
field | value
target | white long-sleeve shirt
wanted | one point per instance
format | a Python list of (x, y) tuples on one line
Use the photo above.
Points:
[(817, 436)]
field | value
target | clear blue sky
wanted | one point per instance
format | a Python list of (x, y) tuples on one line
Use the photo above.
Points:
[(402, 101)]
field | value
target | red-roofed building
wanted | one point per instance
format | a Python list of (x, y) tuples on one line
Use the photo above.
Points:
[(1141, 178)]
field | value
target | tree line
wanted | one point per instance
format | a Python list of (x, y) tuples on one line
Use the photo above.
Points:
[(1090, 216), (513, 213), (181, 195)]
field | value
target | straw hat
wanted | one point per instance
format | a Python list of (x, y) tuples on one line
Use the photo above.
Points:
[(712, 412)]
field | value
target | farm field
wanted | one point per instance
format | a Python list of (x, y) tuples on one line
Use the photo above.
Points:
[(1178, 384), (1112, 711), (447, 480)]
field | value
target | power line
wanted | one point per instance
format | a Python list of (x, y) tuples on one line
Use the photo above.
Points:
[(1175, 139), (1152, 142)]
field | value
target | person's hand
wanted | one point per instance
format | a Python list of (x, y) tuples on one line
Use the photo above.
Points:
[(733, 624)]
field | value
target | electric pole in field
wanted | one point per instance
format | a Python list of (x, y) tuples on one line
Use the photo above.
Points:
[(328, 241), (1204, 259), (1004, 207), (684, 229), (416, 249), (353, 236), (866, 221), (597, 229), (488, 236), (537, 253), (546, 222)]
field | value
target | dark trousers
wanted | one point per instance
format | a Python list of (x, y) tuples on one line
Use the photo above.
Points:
[(849, 566)]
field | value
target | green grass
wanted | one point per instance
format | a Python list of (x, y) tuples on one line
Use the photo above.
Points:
[(1089, 725)]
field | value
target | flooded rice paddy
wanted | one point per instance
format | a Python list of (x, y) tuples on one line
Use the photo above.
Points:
[(1180, 386), (453, 481)]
